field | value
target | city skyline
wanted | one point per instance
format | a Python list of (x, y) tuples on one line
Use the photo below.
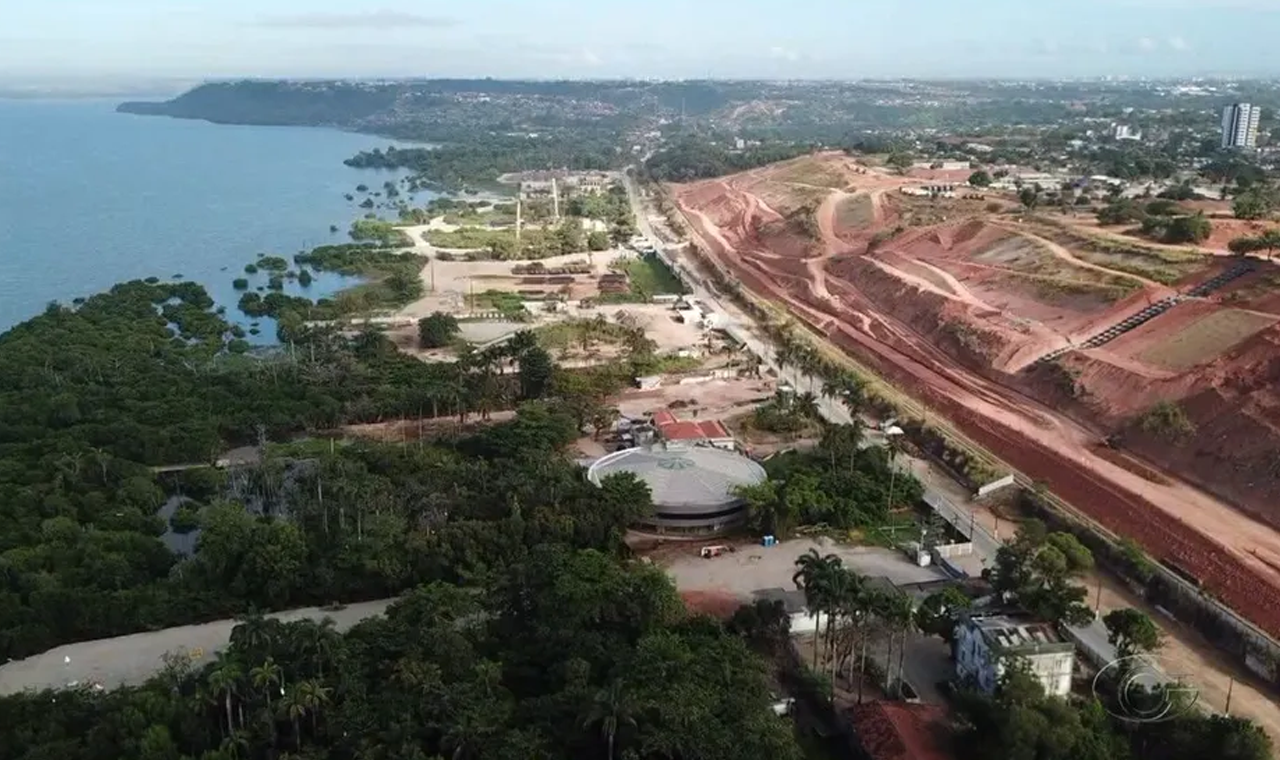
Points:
[(135, 40)]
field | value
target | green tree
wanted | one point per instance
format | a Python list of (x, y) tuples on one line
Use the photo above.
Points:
[(939, 613), (536, 371), (597, 241), (437, 330), (980, 178), (1040, 568), (1029, 197), (1195, 228), (899, 161), (1252, 204), (816, 575), (1131, 632)]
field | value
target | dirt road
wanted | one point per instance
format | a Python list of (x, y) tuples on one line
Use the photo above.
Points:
[(1232, 554)]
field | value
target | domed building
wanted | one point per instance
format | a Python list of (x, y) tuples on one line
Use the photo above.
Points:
[(692, 486)]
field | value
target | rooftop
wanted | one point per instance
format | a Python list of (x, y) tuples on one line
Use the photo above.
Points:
[(1008, 632), (900, 730), (695, 477), (672, 429)]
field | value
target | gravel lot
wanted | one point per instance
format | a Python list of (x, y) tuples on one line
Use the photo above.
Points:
[(754, 568), (132, 659)]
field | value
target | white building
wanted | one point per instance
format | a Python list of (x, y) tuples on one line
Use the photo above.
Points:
[(985, 644), (1240, 125), (1126, 132)]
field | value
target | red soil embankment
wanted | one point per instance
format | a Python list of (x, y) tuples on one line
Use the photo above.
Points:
[(1031, 438), (1120, 512)]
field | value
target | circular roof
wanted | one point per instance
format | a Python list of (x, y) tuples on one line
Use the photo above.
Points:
[(694, 477)]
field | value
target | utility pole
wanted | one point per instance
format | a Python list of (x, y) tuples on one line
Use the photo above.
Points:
[(1097, 602), (555, 200), (519, 217), (1231, 685)]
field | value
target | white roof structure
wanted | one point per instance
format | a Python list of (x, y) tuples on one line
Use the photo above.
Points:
[(683, 479)]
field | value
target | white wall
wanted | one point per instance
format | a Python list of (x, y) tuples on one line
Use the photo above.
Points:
[(973, 658)]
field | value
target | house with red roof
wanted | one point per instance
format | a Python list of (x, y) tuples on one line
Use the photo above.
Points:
[(884, 730), (693, 432)]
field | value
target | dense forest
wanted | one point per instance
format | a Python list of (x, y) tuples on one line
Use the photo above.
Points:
[(697, 158), (480, 160), (91, 398)]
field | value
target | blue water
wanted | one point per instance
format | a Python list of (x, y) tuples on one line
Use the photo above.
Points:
[(89, 198)]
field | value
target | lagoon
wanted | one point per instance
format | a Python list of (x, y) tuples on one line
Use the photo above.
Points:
[(89, 198)]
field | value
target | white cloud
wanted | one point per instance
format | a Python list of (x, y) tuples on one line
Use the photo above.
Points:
[(1177, 43), (590, 58), (379, 19), (783, 54), (1146, 44)]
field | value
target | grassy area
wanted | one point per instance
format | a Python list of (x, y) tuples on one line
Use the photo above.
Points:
[(1159, 264), (1206, 338), (650, 276), (581, 333), (471, 238), (855, 212), (509, 304), (1049, 289), (378, 231), (810, 171)]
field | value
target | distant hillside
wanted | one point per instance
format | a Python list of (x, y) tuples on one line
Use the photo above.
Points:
[(276, 103), (441, 110)]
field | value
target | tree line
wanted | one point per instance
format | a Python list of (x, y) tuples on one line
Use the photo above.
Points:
[(694, 157)]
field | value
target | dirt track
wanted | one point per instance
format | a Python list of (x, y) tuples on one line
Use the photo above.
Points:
[(1233, 555)]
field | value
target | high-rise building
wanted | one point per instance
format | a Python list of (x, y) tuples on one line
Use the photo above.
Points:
[(1240, 125)]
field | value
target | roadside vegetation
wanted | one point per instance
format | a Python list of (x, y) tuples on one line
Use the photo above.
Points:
[(1168, 419)]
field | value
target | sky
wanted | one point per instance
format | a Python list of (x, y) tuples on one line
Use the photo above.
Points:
[(152, 40)]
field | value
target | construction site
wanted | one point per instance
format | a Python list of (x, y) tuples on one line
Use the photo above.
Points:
[(1136, 381)]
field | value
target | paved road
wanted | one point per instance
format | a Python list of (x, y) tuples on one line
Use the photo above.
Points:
[(1092, 637), (132, 659)]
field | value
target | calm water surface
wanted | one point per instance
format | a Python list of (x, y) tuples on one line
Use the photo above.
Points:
[(89, 198)]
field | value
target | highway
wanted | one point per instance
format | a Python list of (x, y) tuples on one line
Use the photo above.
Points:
[(1092, 638)]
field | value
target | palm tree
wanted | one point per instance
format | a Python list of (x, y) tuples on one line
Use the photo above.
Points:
[(814, 576), (806, 405), (266, 676), (904, 617), (318, 639), (223, 681), (292, 707), (610, 709), (313, 695), (236, 745), (891, 443), (843, 587), (254, 633)]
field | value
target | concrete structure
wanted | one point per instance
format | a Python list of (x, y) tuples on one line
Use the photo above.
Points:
[(692, 486), (1240, 125), (1126, 132), (985, 643)]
